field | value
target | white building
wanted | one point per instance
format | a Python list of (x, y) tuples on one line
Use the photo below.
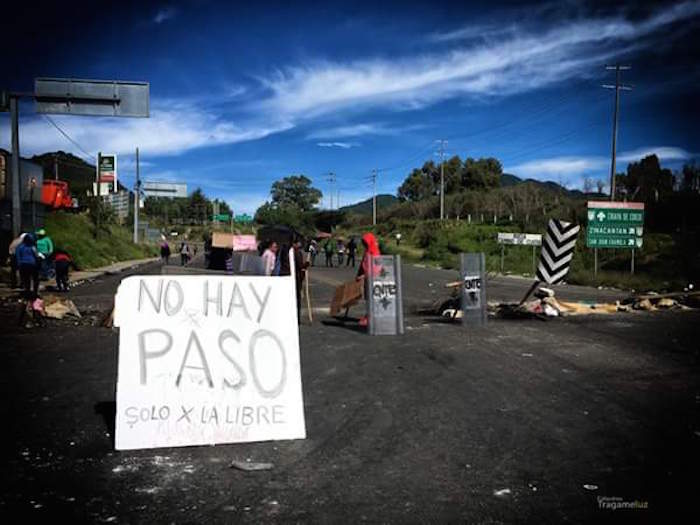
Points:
[(168, 190)]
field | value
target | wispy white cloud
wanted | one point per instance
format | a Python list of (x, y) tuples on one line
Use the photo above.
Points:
[(573, 166), (520, 62), (665, 153), (473, 31), (361, 129), (554, 167), (164, 13), (174, 127), (342, 145)]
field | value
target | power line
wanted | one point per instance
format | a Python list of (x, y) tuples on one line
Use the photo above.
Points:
[(72, 141)]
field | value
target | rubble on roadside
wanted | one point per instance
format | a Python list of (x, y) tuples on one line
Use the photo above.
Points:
[(547, 305), (58, 308)]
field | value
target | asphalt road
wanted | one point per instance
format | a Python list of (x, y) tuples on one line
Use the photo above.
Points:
[(521, 421)]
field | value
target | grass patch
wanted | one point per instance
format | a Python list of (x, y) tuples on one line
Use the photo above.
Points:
[(75, 233)]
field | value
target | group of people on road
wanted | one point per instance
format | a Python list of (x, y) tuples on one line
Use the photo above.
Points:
[(333, 249), (35, 258), (186, 253), (276, 262)]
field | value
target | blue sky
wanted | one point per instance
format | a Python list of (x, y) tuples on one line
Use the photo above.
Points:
[(242, 95)]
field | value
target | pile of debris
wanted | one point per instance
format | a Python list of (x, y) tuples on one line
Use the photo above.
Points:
[(546, 305)]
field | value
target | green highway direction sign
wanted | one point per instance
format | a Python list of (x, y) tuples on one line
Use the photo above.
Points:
[(222, 217), (244, 218), (615, 224)]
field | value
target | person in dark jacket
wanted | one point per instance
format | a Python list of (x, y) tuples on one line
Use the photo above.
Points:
[(352, 249), (329, 248), (165, 252), (299, 273), (63, 262), (28, 261)]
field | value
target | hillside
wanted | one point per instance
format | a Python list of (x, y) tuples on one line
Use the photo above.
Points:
[(365, 207), (75, 233)]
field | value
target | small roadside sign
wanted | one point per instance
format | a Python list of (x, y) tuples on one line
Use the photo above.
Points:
[(615, 224), (523, 239)]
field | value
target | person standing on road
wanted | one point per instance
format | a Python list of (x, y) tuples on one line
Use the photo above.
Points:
[(44, 245), (341, 252), (207, 251), (328, 249), (165, 252), (184, 253), (28, 263), (352, 248), (269, 257), (299, 272), (313, 250), (367, 266), (63, 261), (13, 260)]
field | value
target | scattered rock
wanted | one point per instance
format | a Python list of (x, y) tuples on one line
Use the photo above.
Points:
[(501, 493), (644, 304), (666, 302), (544, 292), (250, 466)]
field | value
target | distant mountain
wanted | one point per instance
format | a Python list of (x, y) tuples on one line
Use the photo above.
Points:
[(365, 207), (509, 180)]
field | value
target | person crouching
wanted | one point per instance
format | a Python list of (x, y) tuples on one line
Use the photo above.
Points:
[(63, 261)]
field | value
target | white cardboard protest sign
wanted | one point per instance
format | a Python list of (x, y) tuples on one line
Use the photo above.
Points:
[(207, 359)]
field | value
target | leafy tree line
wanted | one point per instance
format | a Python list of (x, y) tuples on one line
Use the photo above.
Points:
[(470, 174), (197, 208), (473, 187), (293, 203)]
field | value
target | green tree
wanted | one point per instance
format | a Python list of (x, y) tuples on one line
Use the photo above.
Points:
[(272, 213), (295, 191), (420, 183), (482, 174), (690, 179), (646, 181)]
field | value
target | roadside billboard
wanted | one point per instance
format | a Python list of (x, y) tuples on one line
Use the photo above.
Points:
[(107, 173)]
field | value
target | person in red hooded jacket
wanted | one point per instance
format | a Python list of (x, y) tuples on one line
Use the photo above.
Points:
[(367, 265)]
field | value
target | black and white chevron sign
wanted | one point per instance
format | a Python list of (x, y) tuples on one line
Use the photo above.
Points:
[(557, 251)]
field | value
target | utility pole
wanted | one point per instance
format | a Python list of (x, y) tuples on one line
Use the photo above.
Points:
[(98, 191), (443, 143), (55, 166), (374, 197), (331, 180), (16, 198), (617, 87), (137, 197)]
